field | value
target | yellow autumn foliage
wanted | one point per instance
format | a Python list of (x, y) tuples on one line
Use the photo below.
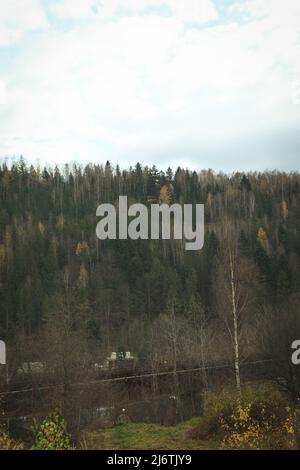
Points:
[(243, 430), (166, 194), (82, 248), (261, 235), (42, 229), (6, 443), (78, 249), (51, 434), (284, 209)]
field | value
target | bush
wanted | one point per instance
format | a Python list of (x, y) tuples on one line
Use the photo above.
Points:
[(6, 443), (216, 404), (247, 430), (51, 434), (261, 418)]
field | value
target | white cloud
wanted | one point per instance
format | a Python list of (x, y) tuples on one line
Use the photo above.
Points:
[(138, 86), (76, 9), (19, 16), (196, 11), (2, 92), (272, 9)]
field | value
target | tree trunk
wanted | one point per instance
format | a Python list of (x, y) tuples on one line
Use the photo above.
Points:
[(235, 329)]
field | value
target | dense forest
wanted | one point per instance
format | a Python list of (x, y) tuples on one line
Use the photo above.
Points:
[(68, 299)]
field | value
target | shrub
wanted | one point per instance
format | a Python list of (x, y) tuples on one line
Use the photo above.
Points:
[(6, 443), (261, 418), (247, 430), (51, 434)]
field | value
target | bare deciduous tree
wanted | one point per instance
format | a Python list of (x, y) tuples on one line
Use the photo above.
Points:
[(236, 282)]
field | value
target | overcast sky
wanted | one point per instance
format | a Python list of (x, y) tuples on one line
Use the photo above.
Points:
[(196, 83)]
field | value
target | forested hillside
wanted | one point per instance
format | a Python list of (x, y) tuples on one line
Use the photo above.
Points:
[(69, 299)]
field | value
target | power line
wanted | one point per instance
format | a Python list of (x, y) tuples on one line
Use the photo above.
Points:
[(132, 377), (180, 371)]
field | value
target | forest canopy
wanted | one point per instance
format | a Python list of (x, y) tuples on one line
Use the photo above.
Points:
[(113, 294)]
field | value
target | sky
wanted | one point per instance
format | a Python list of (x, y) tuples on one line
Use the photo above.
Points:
[(191, 83)]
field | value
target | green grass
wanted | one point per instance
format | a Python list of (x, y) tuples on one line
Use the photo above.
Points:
[(145, 436)]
